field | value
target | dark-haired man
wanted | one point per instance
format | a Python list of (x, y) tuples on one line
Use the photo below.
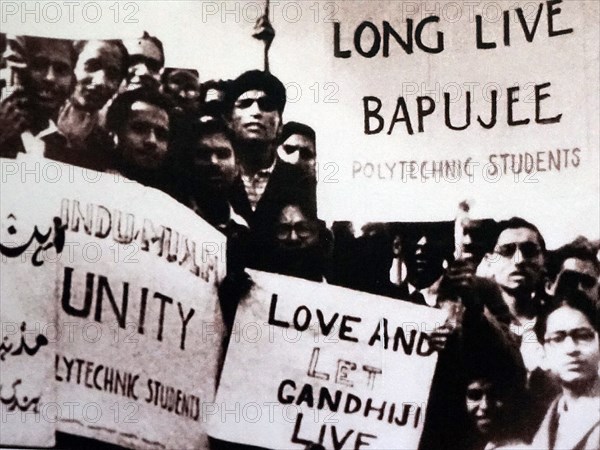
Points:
[(28, 116), (182, 86), (140, 121), (100, 68), (299, 146), (213, 100), (208, 155), (146, 59), (425, 249), (208, 173), (574, 266), (517, 265), (256, 103)]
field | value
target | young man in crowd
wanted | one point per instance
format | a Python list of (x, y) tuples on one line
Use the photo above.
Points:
[(256, 101), (299, 146), (100, 68), (146, 59), (213, 100), (28, 116), (140, 121), (182, 86), (517, 265), (574, 266), (209, 170), (425, 250)]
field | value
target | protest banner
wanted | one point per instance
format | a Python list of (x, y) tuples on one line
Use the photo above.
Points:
[(324, 364), (139, 322), (28, 312), (417, 105), (439, 102)]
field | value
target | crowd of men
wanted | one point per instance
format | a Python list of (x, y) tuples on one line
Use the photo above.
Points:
[(519, 356)]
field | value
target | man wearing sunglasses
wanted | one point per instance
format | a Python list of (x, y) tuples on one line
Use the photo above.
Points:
[(256, 101)]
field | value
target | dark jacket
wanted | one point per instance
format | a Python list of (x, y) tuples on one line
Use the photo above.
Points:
[(287, 184)]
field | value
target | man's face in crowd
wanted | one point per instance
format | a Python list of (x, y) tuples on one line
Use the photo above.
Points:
[(98, 73), (295, 230), (519, 260), (255, 118), (571, 346), (145, 62), (214, 161), (424, 260), (578, 274), (213, 105), (484, 405), (183, 88), (50, 75), (300, 150), (144, 138)]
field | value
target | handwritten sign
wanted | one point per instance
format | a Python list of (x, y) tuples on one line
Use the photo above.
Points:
[(30, 241), (309, 362), (138, 315), (493, 102)]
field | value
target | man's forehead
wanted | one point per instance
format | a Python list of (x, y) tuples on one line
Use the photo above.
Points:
[(214, 94), (566, 318), (517, 235), (252, 94), (53, 51), (299, 140), (141, 108), (580, 265), (218, 139), (480, 383), (145, 48), (181, 76), (105, 50), (292, 213)]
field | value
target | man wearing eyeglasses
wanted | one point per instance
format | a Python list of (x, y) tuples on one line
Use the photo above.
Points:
[(256, 101), (301, 245), (568, 331), (517, 265)]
